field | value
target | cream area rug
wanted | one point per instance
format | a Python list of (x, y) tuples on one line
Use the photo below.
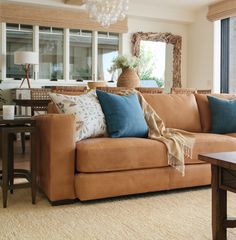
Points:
[(174, 215)]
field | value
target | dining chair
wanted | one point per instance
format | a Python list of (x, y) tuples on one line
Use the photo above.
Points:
[(183, 90), (38, 97), (69, 90), (150, 90), (204, 91), (112, 89)]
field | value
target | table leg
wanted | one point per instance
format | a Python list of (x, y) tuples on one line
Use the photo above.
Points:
[(4, 167), (23, 142), (33, 166), (219, 206), (11, 160)]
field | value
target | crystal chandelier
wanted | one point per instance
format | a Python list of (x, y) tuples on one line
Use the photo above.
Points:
[(107, 12)]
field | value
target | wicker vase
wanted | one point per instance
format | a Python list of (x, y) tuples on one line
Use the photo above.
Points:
[(128, 78)]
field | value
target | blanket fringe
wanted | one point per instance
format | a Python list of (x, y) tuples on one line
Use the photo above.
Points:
[(187, 151), (179, 164)]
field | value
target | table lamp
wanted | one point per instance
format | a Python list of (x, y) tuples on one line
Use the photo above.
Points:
[(26, 58)]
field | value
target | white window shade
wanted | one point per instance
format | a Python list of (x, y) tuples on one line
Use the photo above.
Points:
[(222, 10), (54, 17)]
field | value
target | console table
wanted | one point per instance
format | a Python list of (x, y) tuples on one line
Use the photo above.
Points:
[(223, 168), (8, 129)]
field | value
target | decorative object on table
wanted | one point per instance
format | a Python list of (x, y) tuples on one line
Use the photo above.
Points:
[(26, 58), (94, 85), (128, 78), (8, 112), (107, 12)]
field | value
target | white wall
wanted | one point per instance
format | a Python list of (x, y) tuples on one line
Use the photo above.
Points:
[(159, 11), (200, 52)]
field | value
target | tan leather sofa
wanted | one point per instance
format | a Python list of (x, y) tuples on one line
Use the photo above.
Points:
[(105, 167)]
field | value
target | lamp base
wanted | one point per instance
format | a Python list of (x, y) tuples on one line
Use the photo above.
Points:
[(28, 82), (27, 70)]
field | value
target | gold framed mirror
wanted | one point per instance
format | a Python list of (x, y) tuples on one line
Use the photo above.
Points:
[(168, 38)]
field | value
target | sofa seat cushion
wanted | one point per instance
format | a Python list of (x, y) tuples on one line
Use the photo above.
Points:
[(115, 154), (231, 134), (209, 142)]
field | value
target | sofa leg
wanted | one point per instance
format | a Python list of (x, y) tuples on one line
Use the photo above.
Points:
[(63, 202), (60, 202)]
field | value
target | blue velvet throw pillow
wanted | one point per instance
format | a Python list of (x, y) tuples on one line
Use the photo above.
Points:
[(223, 114), (123, 114)]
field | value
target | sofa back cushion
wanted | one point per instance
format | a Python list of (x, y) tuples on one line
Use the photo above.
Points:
[(176, 110), (204, 108)]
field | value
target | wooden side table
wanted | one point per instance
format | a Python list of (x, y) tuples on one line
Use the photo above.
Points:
[(8, 128), (223, 168)]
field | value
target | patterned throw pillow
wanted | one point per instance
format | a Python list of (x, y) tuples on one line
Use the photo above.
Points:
[(90, 120)]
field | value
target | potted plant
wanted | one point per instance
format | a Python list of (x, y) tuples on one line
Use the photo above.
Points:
[(128, 64)]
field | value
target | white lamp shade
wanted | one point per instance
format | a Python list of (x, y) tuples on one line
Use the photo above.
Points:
[(26, 57)]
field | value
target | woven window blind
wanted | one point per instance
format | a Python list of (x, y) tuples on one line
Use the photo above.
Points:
[(54, 17), (222, 10)]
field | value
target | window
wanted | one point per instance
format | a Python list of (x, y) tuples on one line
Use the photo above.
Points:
[(228, 55), (224, 79), (80, 55), (51, 51), (18, 38), (108, 49), (64, 54)]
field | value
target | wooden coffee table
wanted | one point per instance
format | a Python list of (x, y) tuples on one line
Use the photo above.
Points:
[(223, 168)]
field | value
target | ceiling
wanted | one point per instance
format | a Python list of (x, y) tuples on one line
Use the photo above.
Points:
[(191, 5)]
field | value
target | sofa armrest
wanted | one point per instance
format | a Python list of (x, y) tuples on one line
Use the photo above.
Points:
[(52, 108), (56, 155)]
